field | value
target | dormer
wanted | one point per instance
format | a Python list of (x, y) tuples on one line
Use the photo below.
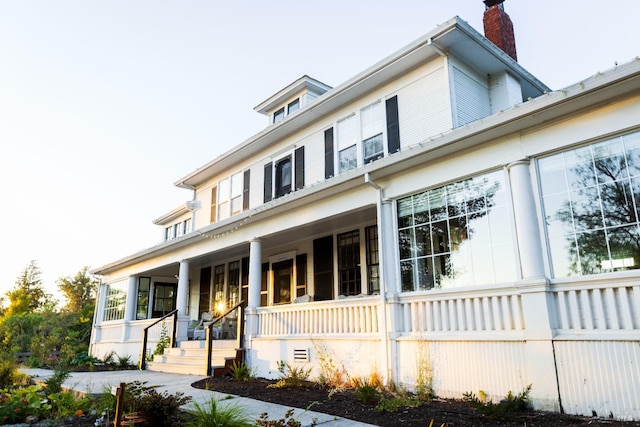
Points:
[(292, 98)]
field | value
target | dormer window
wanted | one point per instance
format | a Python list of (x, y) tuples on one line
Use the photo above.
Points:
[(278, 115), (293, 106)]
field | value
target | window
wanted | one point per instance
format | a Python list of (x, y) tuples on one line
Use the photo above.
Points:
[(590, 197), (456, 235), (178, 229), (218, 286), (214, 204), (168, 233), (234, 284), (372, 126), (264, 281), (223, 199), (116, 299), (230, 193), (347, 141), (283, 176), (186, 226), (349, 263), (373, 260), (236, 193), (293, 106), (278, 115), (142, 303), (164, 299)]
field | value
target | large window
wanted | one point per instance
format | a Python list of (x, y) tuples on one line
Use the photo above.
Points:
[(230, 196), (116, 300), (590, 199), (456, 235), (234, 284), (373, 259)]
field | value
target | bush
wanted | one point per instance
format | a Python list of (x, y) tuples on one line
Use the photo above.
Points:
[(212, 415), (54, 383), (240, 371), (158, 409), (8, 373), (291, 376), (511, 403)]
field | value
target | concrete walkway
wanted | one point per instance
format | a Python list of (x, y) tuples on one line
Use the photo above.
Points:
[(101, 382)]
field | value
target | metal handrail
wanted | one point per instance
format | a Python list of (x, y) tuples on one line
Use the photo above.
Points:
[(142, 364), (239, 332)]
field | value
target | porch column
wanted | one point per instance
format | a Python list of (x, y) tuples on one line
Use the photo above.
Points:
[(183, 288), (534, 290), (527, 232), (255, 273), (132, 294)]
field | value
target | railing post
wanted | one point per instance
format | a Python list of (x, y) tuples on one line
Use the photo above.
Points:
[(142, 364), (209, 347), (174, 334)]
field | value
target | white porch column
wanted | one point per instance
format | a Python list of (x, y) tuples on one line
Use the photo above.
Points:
[(181, 300), (132, 298), (183, 288), (255, 281), (255, 273), (527, 232), (534, 290)]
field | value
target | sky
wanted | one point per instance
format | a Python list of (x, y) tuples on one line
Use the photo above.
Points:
[(105, 104)]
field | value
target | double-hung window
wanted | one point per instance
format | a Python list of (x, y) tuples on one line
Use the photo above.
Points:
[(223, 199), (236, 193), (284, 175), (347, 135), (372, 126)]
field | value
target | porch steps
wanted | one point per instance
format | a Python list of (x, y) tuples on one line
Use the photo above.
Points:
[(190, 358)]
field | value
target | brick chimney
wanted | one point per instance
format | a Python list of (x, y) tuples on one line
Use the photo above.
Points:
[(498, 27)]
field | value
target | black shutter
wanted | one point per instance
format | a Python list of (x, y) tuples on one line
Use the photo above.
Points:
[(328, 153), (245, 190), (299, 173), (323, 268), (393, 125), (268, 175)]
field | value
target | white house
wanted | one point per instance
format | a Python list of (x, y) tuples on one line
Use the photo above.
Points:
[(443, 213)]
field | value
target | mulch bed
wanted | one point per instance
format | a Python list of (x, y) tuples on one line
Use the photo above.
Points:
[(451, 413)]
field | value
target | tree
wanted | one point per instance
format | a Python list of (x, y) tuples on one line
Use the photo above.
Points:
[(29, 294), (80, 290)]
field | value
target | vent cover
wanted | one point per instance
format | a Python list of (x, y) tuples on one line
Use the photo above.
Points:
[(300, 354)]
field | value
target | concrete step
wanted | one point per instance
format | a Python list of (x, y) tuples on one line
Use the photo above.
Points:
[(190, 358)]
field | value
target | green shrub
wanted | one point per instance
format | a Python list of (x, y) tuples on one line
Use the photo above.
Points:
[(18, 404), (8, 373), (511, 403), (213, 415), (54, 383), (124, 361), (286, 421), (84, 359), (291, 376), (158, 409), (240, 371)]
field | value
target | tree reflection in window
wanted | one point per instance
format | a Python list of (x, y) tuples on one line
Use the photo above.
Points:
[(456, 235), (591, 207)]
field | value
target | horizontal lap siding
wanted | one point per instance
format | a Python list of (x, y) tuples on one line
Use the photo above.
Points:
[(471, 97), (424, 109)]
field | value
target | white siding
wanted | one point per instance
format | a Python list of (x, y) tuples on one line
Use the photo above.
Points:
[(471, 96), (424, 108)]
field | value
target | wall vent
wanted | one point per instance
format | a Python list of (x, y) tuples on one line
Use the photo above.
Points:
[(300, 354)]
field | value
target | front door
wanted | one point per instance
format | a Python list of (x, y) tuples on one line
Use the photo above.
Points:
[(282, 275), (164, 298)]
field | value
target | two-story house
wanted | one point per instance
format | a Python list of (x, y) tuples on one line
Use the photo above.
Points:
[(443, 215)]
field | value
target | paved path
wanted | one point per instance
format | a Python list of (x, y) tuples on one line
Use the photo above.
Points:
[(100, 382)]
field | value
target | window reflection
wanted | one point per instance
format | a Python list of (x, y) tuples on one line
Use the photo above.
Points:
[(593, 227), (456, 235)]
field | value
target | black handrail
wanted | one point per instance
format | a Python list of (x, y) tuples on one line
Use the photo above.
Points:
[(239, 332), (142, 364)]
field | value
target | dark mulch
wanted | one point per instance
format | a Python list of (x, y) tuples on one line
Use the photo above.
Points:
[(452, 413)]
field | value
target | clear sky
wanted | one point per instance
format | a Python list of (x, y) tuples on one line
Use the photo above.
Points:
[(104, 104)]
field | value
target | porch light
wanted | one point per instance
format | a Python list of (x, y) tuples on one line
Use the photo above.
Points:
[(220, 307)]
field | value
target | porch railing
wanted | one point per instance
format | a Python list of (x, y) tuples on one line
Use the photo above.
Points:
[(145, 334), (239, 331), (353, 315)]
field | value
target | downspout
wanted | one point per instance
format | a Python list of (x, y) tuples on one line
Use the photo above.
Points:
[(383, 297)]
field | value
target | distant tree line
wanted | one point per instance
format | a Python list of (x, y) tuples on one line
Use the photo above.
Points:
[(31, 322)]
